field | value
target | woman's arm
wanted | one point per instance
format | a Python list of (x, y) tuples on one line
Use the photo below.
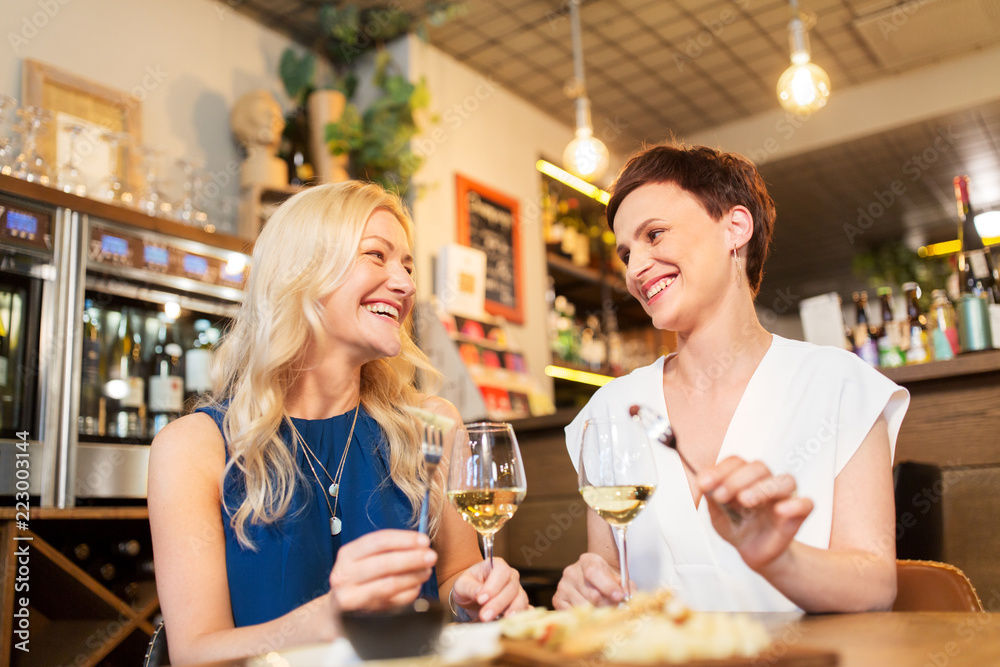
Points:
[(460, 565), (185, 514), (858, 571)]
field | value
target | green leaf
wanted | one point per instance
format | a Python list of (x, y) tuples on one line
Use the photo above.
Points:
[(296, 73)]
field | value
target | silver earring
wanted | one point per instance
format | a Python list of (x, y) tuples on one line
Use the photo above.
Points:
[(739, 264)]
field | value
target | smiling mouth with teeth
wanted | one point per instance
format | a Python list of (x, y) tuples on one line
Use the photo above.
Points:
[(383, 309), (659, 287)]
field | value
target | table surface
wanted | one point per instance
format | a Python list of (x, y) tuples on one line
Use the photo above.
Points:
[(891, 639)]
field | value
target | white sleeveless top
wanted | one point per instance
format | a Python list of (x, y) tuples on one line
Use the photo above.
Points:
[(805, 411)]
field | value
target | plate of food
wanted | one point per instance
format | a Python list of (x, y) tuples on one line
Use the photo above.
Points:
[(652, 629), (460, 645)]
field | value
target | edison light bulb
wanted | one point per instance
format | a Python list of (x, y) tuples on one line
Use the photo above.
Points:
[(586, 156), (804, 87)]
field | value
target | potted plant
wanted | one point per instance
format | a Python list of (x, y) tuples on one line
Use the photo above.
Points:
[(375, 142)]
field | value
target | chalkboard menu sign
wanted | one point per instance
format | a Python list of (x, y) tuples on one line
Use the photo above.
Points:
[(490, 221)]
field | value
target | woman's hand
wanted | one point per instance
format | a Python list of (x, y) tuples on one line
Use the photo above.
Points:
[(590, 580), (381, 569), (771, 511), (488, 594)]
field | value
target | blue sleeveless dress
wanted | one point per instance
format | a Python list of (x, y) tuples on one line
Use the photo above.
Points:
[(294, 556)]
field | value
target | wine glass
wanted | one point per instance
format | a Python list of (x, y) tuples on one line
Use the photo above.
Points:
[(187, 210), (150, 199), (68, 177), (8, 105), (486, 479), (30, 165), (115, 186), (617, 476)]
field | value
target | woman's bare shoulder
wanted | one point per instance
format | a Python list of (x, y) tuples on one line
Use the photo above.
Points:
[(192, 442)]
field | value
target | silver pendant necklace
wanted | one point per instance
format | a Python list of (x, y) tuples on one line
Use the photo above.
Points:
[(336, 525)]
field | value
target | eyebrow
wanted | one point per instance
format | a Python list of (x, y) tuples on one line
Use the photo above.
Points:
[(387, 242), (638, 231)]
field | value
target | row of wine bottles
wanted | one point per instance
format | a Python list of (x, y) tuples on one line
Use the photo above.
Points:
[(141, 370), (120, 566), (942, 333)]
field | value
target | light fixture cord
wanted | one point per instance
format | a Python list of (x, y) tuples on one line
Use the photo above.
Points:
[(582, 103), (574, 22)]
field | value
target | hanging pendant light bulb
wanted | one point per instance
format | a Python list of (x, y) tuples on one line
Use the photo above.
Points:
[(804, 87), (586, 156)]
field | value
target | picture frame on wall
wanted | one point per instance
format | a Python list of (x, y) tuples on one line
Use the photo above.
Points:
[(74, 100), (490, 220)]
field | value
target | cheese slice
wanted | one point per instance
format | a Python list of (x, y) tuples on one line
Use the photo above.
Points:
[(430, 418)]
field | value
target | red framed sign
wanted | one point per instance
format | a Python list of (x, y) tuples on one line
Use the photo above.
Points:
[(490, 221)]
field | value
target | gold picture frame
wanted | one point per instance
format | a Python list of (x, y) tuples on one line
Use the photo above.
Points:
[(64, 93)]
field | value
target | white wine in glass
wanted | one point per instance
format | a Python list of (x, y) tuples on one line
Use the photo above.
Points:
[(617, 476), (486, 478)]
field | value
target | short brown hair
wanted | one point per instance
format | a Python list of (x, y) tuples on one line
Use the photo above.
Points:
[(718, 180)]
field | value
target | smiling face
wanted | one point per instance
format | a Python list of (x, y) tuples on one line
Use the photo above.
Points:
[(678, 261), (363, 315)]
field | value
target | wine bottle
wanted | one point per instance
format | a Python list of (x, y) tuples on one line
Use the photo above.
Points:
[(864, 343), (129, 548), (198, 364), (944, 334), (976, 269), (124, 386), (296, 150), (919, 350), (166, 383), (90, 373), (977, 277), (890, 353)]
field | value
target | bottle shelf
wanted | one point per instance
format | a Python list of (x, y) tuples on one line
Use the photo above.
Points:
[(588, 289), (74, 618)]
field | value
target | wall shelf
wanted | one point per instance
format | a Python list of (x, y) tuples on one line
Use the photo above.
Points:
[(74, 619)]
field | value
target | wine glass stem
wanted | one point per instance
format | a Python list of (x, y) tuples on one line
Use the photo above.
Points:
[(488, 549), (623, 560)]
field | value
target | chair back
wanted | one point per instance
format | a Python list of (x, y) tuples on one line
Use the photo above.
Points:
[(926, 585), (156, 652)]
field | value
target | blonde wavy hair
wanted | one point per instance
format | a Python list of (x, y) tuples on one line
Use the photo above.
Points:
[(306, 250)]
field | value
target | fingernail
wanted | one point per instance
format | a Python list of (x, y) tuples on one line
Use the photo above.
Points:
[(617, 596), (483, 598), (423, 540), (486, 616), (430, 557)]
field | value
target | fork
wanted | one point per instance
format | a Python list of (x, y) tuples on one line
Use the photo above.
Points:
[(432, 449), (659, 430)]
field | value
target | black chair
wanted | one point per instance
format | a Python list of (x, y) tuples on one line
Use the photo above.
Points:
[(919, 511), (156, 652)]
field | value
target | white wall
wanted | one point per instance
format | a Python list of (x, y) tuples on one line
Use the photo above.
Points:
[(493, 137), (188, 60)]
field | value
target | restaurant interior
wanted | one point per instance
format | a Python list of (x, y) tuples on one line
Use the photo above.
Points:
[(862, 166)]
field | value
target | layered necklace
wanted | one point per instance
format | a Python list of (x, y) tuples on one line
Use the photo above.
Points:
[(336, 525)]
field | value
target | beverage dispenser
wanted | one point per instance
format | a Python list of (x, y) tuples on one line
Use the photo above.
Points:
[(33, 296), (154, 307)]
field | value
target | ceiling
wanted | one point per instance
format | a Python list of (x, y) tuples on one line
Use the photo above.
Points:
[(662, 68)]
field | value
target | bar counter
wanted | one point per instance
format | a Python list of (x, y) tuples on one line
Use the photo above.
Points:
[(954, 414)]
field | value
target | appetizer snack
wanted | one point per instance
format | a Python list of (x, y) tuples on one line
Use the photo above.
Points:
[(430, 418), (651, 628)]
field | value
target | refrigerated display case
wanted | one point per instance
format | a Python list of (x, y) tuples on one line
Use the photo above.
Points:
[(109, 319), (31, 244)]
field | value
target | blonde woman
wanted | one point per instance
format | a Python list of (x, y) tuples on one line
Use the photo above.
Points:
[(294, 495)]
